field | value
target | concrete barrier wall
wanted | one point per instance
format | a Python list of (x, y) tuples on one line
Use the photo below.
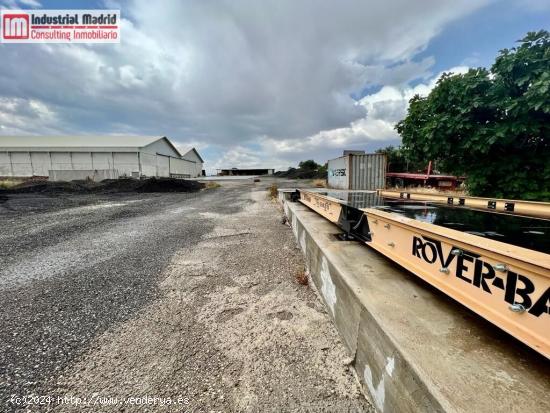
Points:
[(96, 175), (413, 348)]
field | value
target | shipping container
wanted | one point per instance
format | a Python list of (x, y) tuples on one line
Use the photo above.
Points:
[(357, 172)]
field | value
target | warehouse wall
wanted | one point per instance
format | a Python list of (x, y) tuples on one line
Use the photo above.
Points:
[(161, 147), (197, 168), (21, 163), (60, 160), (40, 163), (148, 164), (163, 166), (182, 167), (81, 160), (160, 159), (5, 164), (126, 163), (102, 160), (96, 175)]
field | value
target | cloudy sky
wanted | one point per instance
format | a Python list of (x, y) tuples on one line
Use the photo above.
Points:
[(254, 82)]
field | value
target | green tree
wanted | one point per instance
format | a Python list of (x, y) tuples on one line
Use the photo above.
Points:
[(309, 165), (399, 162), (491, 125)]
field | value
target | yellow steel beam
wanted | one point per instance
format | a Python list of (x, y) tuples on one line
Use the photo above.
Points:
[(506, 284), (510, 206), (328, 207)]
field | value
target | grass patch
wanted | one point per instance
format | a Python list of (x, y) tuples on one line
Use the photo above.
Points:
[(272, 191), (320, 183), (211, 185), (9, 183), (430, 190), (302, 278)]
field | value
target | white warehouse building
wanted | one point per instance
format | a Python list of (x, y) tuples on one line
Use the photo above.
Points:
[(119, 156)]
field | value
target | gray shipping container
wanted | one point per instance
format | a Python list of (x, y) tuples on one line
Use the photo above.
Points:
[(357, 172)]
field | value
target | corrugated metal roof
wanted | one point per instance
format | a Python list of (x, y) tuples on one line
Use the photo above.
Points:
[(76, 141)]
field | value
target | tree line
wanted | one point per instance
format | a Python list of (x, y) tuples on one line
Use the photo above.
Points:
[(491, 125)]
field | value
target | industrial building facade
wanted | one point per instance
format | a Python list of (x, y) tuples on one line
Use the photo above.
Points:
[(130, 156)]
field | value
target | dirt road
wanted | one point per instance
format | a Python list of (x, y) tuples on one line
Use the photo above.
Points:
[(162, 302)]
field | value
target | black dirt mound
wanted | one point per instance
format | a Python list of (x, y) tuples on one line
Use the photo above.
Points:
[(46, 187), (148, 185), (117, 185), (169, 185), (107, 186)]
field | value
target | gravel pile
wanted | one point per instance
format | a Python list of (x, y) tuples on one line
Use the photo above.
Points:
[(175, 295)]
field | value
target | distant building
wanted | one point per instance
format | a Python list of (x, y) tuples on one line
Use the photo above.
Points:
[(245, 172), (131, 156), (353, 152)]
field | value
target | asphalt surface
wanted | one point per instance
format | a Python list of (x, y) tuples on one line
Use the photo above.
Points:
[(127, 295)]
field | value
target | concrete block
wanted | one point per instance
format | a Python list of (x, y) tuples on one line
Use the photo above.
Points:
[(331, 287), (387, 376), (415, 349), (96, 175)]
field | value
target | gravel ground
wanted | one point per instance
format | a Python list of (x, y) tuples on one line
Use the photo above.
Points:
[(186, 298)]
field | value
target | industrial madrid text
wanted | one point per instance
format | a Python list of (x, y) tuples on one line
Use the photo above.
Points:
[(87, 19), (60, 26), (74, 35)]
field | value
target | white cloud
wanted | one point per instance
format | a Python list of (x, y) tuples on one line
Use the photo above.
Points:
[(16, 114), (30, 3), (535, 5), (384, 109), (278, 73), (16, 4)]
